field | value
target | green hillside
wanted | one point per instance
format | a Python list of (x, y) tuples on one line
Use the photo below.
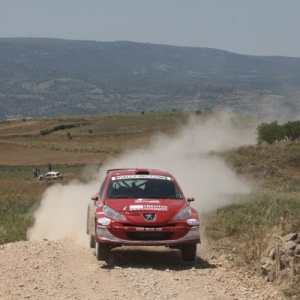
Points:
[(50, 77)]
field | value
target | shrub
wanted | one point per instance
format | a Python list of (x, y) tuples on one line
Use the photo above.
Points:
[(270, 133), (292, 130)]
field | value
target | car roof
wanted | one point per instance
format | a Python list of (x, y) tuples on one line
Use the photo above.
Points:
[(135, 171), (53, 173)]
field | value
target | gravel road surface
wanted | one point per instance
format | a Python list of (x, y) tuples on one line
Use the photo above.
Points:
[(42, 270)]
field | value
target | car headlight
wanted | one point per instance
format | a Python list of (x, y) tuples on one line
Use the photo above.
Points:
[(111, 213), (185, 213)]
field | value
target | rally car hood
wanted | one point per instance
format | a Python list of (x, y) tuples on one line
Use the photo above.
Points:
[(134, 209)]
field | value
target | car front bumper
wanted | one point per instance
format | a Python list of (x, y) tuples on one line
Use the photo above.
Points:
[(136, 235)]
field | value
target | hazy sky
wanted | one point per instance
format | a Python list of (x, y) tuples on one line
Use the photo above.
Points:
[(256, 27)]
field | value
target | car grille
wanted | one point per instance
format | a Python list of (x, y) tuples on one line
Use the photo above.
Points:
[(149, 236)]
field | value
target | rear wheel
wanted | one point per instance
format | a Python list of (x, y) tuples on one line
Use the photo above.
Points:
[(92, 241), (102, 251), (188, 252)]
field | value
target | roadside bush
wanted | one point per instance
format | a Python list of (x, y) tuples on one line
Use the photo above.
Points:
[(292, 130), (270, 133)]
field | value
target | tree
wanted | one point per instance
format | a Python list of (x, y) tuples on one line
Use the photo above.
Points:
[(270, 133), (292, 130)]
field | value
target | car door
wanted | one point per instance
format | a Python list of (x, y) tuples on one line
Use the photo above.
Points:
[(93, 206)]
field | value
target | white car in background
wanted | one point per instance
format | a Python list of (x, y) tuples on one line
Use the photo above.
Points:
[(51, 176)]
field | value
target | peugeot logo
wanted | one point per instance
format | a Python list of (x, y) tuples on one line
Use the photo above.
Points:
[(149, 217)]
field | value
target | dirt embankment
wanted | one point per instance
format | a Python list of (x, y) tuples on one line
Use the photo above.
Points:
[(62, 270)]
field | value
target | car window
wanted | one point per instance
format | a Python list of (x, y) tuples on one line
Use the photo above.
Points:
[(143, 188)]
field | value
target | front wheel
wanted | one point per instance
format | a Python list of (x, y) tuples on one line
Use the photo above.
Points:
[(102, 251), (188, 252)]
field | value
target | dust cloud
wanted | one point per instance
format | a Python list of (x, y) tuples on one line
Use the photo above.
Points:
[(189, 156), (62, 212)]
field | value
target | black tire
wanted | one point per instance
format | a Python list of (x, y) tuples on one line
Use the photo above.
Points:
[(102, 251), (92, 241), (188, 252)]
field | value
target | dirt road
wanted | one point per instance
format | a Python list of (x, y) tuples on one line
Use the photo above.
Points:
[(61, 270)]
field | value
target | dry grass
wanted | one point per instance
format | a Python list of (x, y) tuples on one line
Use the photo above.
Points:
[(272, 166), (98, 137)]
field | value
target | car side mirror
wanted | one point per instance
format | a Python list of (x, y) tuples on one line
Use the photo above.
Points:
[(95, 198), (190, 199)]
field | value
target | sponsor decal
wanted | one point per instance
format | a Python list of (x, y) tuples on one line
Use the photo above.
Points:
[(146, 229), (141, 177), (155, 207), (146, 201), (136, 207)]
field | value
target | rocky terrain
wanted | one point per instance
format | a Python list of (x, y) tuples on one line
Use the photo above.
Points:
[(62, 269), (283, 260)]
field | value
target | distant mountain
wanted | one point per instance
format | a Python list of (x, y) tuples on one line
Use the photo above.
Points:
[(50, 77)]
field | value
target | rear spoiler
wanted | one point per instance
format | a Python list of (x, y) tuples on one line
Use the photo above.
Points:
[(137, 171)]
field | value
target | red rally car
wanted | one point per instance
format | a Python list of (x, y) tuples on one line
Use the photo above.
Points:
[(142, 207)]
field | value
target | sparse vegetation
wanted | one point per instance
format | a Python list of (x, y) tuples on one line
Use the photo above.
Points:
[(251, 221), (15, 217), (59, 127), (69, 135), (248, 229)]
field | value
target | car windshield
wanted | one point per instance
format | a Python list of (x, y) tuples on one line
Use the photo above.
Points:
[(143, 188)]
